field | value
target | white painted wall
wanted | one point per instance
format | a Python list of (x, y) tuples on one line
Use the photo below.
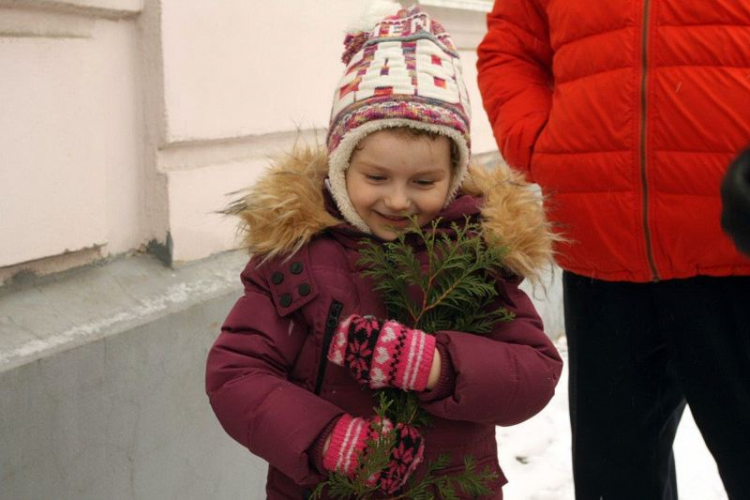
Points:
[(70, 133), (237, 68), (129, 121), (240, 79)]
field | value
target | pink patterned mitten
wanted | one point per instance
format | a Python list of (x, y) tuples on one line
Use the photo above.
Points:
[(349, 445), (383, 353)]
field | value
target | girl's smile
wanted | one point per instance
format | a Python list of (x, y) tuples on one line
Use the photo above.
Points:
[(394, 219), (393, 175)]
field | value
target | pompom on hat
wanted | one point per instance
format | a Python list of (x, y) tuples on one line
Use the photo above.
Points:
[(402, 70)]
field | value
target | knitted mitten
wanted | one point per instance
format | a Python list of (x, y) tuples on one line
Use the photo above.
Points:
[(349, 444), (383, 353)]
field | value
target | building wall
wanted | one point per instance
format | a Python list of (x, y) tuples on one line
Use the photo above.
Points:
[(126, 123), (241, 81), (70, 129)]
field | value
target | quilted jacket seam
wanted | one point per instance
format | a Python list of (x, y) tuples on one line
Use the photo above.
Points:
[(700, 65), (602, 72), (524, 29), (705, 25), (589, 35)]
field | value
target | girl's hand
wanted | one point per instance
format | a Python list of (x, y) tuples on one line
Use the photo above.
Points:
[(383, 353), (348, 443)]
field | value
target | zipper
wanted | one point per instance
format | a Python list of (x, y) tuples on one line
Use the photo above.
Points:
[(644, 177), (332, 321)]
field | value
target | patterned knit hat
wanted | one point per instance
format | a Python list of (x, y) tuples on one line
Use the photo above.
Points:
[(402, 70)]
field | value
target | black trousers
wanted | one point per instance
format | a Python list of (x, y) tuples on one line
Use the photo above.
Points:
[(638, 352)]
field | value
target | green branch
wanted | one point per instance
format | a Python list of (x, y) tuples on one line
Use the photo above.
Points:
[(457, 291)]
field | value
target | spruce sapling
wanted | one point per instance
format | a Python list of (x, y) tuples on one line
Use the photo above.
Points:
[(453, 290)]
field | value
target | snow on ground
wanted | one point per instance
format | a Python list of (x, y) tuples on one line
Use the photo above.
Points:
[(535, 455)]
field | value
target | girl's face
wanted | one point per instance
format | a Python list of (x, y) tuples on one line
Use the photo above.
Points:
[(393, 175)]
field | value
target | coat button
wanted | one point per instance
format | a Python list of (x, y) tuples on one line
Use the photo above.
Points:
[(296, 267), (285, 300), (304, 289), (277, 278)]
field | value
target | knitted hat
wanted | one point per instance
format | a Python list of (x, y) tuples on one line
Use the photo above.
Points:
[(402, 70)]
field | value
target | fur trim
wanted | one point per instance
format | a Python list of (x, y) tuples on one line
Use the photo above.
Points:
[(285, 209), (513, 217)]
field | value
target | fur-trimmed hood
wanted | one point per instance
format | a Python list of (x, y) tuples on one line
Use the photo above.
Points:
[(286, 208)]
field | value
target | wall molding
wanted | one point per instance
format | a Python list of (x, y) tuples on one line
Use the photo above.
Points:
[(106, 9), (192, 154), (20, 23), (476, 5), (466, 26)]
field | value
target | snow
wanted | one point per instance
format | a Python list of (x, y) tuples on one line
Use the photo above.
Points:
[(535, 455)]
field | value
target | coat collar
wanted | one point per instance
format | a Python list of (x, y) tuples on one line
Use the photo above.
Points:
[(287, 207)]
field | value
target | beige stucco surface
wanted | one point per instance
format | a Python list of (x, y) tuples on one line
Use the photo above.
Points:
[(69, 135), (127, 122), (239, 68)]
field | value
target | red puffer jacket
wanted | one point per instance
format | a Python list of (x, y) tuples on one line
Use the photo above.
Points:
[(268, 378), (627, 113)]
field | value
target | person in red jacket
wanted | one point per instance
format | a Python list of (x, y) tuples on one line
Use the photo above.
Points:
[(293, 373), (626, 113)]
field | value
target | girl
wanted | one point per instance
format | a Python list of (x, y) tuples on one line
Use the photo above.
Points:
[(291, 376)]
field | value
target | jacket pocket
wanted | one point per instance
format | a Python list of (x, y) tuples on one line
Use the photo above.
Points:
[(332, 321)]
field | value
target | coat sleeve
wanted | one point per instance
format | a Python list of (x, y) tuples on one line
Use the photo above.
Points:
[(248, 387), (505, 377), (514, 66)]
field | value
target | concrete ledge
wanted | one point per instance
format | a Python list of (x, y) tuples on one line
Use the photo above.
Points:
[(82, 306), (101, 387)]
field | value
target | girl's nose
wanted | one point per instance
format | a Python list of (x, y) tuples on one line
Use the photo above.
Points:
[(397, 200)]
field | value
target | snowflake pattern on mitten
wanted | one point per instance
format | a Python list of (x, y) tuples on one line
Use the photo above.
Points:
[(348, 447), (407, 453), (383, 354)]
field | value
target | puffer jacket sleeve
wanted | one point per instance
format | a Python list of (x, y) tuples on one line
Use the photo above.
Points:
[(505, 377), (515, 79), (248, 387)]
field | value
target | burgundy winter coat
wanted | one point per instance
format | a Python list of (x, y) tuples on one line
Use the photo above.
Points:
[(268, 378)]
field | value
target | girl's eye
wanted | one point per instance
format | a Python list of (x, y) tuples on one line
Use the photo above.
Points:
[(425, 182), (375, 178)]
